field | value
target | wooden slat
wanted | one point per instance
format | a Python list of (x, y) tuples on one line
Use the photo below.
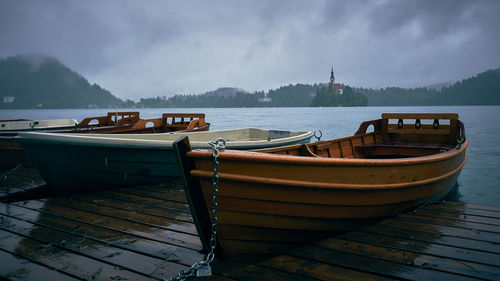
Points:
[(165, 249), (134, 204), (167, 194), (17, 268), (447, 222), (246, 271), (417, 131), (405, 257), (424, 248), (457, 217), (473, 206), (169, 198), (97, 251), (440, 229), (53, 257), (317, 270), (374, 266), (420, 116), (154, 233), (464, 210), (125, 215), (426, 237)]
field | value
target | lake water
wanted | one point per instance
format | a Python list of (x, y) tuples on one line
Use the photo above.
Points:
[(480, 179)]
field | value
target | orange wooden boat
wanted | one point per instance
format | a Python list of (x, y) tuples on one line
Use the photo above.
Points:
[(273, 199), (131, 123)]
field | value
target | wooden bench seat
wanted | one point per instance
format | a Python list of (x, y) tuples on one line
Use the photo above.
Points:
[(398, 150)]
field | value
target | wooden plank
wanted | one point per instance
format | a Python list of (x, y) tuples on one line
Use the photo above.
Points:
[(137, 206), (124, 240), (171, 191), (417, 259), (424, 248), (419, 116), (317, 270), (457, 216), (473, 206), (462, 210), (126, 215), (17, 268), (245, 271), (54, 257), (441, 229), (414, 131), (371, 265), (154, 233), (431, 238), (414, 217), (100, 252), (172, 199)]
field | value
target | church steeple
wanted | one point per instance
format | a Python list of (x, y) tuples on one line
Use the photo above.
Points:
[(332, 77)]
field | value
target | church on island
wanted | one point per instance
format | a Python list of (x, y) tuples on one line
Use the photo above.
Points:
[(336, 87)]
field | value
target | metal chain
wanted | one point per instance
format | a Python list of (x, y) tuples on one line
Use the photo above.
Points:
[(191, 273)]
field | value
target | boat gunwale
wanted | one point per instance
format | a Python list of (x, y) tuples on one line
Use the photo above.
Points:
[(50, 124), (326, 185), (307, 160), (121, 140)]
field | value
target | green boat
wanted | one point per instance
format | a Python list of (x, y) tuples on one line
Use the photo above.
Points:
[(72, 163)]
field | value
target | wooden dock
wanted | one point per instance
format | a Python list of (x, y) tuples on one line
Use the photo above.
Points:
[(147, 233)]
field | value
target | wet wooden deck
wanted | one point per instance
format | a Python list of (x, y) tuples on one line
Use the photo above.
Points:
[(146, 233)]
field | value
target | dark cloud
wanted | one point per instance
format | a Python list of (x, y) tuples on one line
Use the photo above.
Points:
[(159, 47)]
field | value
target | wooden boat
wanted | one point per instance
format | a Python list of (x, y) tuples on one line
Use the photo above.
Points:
[(84, 162), (11, 152), (274, 199), (130, 123), (13, 126), (113, 123)]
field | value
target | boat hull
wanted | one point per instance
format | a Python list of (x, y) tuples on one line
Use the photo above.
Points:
[(73, 168), (72, 163), (271, 203)]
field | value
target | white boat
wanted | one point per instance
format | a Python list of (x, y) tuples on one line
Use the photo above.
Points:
[(33, 125), (83, 162)]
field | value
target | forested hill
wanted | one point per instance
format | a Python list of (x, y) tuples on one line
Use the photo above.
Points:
[(36, 81), (482, 89), (284, 96)]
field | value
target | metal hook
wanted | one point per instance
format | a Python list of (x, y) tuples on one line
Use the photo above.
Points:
[(320, 135)]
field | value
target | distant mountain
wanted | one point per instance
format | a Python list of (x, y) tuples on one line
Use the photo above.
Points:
[(482, 89), (37, 81)]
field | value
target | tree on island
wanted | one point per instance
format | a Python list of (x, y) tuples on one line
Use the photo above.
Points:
[(327, 96)]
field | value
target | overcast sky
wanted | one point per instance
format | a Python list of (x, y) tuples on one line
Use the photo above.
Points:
[(150, 48)]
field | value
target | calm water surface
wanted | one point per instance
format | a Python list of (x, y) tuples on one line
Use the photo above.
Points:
[(480, 179)]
